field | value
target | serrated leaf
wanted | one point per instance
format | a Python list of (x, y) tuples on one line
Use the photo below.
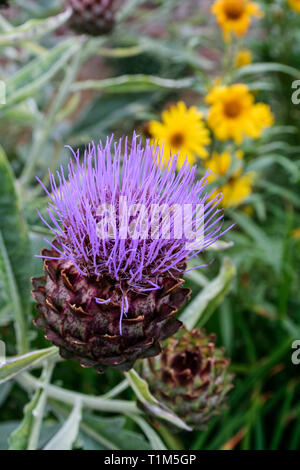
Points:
[(111, 434), (133, 84), (106, 110), (267, 67), (268, 245), (6, 316), (27, 435), (281, 191), (15, 257), (19, 438), (88, 443), (143, 394), (260, 163), (172, 50), (40, 9), (17, 365), (153, 437), (34, 28), (6, 429), (4, 392), (104, 433), (67, 434), (21, 113), (205, 303), (27, 81)]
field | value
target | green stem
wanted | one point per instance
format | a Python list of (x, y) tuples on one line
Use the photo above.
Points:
[(117, 389), (172, 441), (120, 52), (227, 62), (38, 416), (154, 439), (28, 382)]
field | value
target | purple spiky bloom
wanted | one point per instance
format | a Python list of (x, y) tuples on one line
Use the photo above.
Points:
[(107, 300)]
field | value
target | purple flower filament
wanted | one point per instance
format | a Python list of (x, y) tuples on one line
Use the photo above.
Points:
[(137, 173)]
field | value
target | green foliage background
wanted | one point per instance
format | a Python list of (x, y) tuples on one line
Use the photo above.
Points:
[(66, 89)]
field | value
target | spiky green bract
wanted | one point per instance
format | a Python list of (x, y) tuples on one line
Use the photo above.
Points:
[(88, 331)]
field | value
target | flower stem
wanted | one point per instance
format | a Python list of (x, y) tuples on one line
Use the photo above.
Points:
[(117, 389), (28, 382), (172, 441), (38, 416)]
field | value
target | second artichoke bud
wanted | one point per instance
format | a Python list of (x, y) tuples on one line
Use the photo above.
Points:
[(190, 377)]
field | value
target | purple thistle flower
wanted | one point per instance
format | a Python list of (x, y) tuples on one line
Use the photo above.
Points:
[(133, 260), (132, 173)]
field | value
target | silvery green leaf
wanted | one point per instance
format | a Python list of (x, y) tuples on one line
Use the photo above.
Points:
[(6, 429), (111, 434), (15, 259), (4, 392), (20, 437), (153, 437), (29, 79), (13, 367), (98, 432), (205, 303), (67, 434), (265, 67), (133, 83), (34, 28), (156, 408)]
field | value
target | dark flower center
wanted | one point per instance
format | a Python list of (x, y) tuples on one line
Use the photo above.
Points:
[(186, 361), (232, 108), (234, 9), (177, 140)]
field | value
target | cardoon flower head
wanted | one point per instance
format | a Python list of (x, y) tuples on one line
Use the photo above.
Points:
[(93, 17), (124, 227)]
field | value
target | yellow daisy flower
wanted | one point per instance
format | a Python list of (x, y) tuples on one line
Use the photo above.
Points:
[(296, 233), (262, 118), (234, 115), (239, 186), (234, 16), (294, 4), (181, 131), (243, 57)]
